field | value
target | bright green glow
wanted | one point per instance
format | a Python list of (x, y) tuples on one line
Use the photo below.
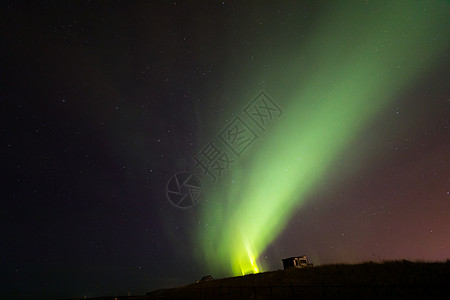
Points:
[(357, 61)]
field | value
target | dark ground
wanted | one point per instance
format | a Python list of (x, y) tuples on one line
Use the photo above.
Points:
[(390, 280)]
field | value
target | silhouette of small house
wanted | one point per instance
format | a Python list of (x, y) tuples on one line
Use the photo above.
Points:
[(295, 262), (206, 278)]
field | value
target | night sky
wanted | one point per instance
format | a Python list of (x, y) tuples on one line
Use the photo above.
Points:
[(147, 144)]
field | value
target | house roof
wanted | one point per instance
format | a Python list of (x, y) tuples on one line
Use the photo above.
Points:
[(294, 257)]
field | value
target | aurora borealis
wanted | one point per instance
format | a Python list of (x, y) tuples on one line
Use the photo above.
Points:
[(104, 104), (362, 60)]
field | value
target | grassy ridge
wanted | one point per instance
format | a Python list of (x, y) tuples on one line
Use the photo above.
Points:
[(390, 280), (388, 273)]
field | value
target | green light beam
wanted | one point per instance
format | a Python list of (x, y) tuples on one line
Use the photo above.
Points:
[(363, 58)]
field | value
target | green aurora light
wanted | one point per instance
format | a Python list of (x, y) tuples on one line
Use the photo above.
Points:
[(362, 58)]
